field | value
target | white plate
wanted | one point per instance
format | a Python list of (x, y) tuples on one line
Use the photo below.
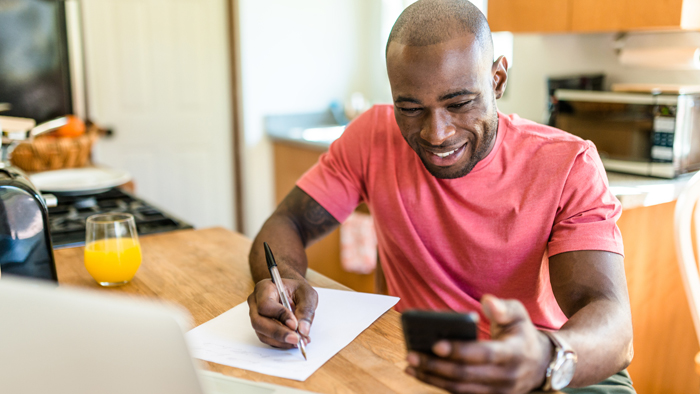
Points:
[(79, 180)]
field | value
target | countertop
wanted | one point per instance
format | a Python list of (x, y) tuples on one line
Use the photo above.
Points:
[(312, 131), (317, 132), (635, 191), (206, 271)]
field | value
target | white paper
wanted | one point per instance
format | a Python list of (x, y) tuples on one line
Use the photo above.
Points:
[(341, 316)]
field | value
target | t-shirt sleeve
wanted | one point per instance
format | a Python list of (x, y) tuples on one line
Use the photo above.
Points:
[(587, 213), (337, 180)]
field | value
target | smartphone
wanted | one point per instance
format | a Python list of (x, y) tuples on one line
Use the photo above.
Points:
[(422, 329)]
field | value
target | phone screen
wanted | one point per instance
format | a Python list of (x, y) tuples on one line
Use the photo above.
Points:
[(422, 329)]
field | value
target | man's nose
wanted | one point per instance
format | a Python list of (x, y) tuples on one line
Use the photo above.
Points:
[(437, 129)]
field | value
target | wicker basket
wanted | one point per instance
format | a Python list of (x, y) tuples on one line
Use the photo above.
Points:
[(52, 153)]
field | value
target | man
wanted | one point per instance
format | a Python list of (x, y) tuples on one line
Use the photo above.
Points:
[(474, 210)]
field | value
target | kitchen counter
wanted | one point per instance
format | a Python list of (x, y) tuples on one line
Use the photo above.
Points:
[(206, 272), (635, 191), (314, 131)]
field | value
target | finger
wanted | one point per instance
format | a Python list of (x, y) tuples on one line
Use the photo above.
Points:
[(268, 304), (475, 352), (449, 385), (503, 313), (270, 327), (273, 342), (489, 374), (306, 300)]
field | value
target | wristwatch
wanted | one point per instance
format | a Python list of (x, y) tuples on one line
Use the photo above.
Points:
[(563, 365)]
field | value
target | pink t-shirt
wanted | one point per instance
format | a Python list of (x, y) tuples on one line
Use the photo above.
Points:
[(444, 243)]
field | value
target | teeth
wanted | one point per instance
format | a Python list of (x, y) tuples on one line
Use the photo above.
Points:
[(445, 154)]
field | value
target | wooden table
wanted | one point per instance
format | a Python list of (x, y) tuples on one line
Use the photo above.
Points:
[(206, 271)]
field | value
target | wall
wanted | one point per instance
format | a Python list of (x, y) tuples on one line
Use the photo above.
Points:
[(294, 57), (539, 56)]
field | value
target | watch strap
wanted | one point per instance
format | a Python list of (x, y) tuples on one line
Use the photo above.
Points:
[(561, 347)]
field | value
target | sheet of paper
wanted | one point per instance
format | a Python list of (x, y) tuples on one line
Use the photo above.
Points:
[(341, 316)]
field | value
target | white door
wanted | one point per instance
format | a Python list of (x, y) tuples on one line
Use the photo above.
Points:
[(158, 73)]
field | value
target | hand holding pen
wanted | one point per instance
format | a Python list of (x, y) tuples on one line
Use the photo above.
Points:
[(277, 279), (274, 324)]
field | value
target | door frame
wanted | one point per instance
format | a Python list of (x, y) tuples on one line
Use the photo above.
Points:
[(236, 112)]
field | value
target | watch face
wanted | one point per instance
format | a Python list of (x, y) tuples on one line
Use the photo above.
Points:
[(562, 376)]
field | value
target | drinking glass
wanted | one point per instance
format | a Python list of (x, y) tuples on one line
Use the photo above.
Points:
[(112, 250)]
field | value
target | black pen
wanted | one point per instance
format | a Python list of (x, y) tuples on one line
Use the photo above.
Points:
[(277, 280)]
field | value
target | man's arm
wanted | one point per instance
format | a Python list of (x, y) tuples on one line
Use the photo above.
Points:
[(590, 288), (296, 223)]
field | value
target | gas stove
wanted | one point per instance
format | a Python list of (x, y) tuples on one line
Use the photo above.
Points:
[(67, 218)]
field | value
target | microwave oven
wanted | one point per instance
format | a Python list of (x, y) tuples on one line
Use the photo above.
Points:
[(637, 133)]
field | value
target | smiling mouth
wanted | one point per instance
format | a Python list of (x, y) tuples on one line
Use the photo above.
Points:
[(446, 153), (445, 159)]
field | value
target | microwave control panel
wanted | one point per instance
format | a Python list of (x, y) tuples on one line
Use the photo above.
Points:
[(663, 133)]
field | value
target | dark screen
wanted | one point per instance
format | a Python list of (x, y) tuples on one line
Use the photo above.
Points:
[(24, 249), (34, 73)]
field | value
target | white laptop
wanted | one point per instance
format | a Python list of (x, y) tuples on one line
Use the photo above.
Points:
[(67, 341)]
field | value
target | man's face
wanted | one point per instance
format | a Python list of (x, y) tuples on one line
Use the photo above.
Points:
[(445, 102)]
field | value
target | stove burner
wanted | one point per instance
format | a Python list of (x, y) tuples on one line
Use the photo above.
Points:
[(67, 219), (85, 203)]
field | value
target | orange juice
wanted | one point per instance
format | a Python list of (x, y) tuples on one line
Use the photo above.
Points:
[(113, 260)]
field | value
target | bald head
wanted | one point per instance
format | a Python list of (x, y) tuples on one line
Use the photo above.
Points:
[(429, 22)]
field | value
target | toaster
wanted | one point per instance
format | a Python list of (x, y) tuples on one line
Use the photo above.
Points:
[(25, 242)]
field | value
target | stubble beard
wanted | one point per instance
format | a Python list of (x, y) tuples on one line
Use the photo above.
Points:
[(490, 132)]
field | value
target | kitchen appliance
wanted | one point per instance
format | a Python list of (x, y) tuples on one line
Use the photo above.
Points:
[(652, 134), (572, 82), (25, 243), (35, 71), (68, 341), (67, 218)]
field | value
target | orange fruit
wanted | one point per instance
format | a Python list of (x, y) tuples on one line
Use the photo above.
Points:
[(74, 128)]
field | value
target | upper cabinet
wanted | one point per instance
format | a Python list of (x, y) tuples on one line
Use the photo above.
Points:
[(529, 15), (581, 16)]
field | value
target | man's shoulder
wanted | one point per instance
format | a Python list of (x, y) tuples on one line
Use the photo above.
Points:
[(378, 114), (380, 117), (383, 109), (526, 133), (528, 129), (377, 124)]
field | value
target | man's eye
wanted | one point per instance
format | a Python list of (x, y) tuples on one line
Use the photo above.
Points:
[(460, 105), (410, 111)]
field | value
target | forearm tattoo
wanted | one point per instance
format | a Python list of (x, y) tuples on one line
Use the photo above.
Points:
[(310, 218)]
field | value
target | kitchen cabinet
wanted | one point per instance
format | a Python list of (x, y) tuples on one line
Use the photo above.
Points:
[(664, 337), (582, 16), (541, 16), (597, 15)]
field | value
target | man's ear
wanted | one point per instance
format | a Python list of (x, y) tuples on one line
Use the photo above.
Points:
[(499, 71)]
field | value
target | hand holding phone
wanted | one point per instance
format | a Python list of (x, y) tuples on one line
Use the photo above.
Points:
[(422, 329)]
